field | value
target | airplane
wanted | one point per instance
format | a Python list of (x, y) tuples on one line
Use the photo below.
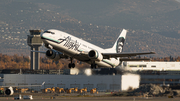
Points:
[(63, 45), (10, 91)]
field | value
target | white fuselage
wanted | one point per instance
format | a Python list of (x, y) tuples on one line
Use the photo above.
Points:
[(73, 47)]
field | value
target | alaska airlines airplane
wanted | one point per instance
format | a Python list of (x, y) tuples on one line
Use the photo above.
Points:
[(63, 45)]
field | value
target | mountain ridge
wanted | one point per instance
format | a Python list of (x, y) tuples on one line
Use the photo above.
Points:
[(160, 31)]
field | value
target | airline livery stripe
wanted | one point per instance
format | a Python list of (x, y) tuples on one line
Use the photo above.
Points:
[(122, 37), (57, 41), (108, 62)]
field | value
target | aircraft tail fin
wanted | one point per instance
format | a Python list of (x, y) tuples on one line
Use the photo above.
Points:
[(118, 45)]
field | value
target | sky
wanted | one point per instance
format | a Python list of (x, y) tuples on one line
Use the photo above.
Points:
[(178, 0)]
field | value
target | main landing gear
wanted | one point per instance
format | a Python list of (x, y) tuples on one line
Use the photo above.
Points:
[(93, 65), (71, 65)]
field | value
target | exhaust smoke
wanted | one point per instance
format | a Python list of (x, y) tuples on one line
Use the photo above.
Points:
[(74, 71), (88, 72), (130, 81), (77, 71)]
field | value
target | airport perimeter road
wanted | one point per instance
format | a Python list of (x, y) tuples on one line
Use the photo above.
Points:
[(98, 99)]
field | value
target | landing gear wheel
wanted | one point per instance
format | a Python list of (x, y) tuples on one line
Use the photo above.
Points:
[(93, 66), (71, 65)]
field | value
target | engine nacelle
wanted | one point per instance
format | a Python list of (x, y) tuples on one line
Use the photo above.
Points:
[(9, 91), (95, 55), (52, 54)]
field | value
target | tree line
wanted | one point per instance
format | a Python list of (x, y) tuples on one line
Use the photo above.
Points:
[(23, 62)]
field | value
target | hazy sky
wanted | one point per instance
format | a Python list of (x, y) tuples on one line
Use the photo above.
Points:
[(178, 0)]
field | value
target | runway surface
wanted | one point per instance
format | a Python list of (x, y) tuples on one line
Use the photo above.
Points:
[(97, 99)]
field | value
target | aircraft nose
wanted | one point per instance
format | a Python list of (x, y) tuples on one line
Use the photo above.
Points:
[(44, 35)]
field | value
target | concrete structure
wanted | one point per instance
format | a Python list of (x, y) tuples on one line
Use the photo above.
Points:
[(101, 82), (155, 72), (160, 79), (146, 72), (34, 41)]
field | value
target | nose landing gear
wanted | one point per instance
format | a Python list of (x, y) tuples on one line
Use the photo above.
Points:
[(71, 65)]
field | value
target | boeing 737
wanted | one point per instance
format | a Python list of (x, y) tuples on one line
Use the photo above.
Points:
[(63, 45)]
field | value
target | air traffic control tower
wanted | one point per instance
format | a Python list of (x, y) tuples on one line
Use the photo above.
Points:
[(34, 41)]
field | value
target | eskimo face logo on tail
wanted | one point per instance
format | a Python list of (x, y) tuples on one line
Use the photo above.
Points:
[(120, 44)]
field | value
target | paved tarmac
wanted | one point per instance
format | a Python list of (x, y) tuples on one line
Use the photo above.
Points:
[(97, 99)]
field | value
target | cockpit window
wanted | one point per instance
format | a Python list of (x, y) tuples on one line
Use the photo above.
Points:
[(49, 32)]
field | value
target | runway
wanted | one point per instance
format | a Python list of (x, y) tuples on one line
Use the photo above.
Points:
[(98, 99)]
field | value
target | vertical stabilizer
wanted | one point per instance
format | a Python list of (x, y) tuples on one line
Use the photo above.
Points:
[(118, 45)]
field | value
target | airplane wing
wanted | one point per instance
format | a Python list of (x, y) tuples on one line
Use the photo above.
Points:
[(134, 59), (24, 85), (116, 55)]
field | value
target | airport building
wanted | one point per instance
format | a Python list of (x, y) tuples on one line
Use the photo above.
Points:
[(135, 73), (157, 66), (101, 82), (156, 72)]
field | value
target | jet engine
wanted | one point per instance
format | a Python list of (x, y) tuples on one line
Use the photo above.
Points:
[(52, 54), (95, 55), (9, 91)]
